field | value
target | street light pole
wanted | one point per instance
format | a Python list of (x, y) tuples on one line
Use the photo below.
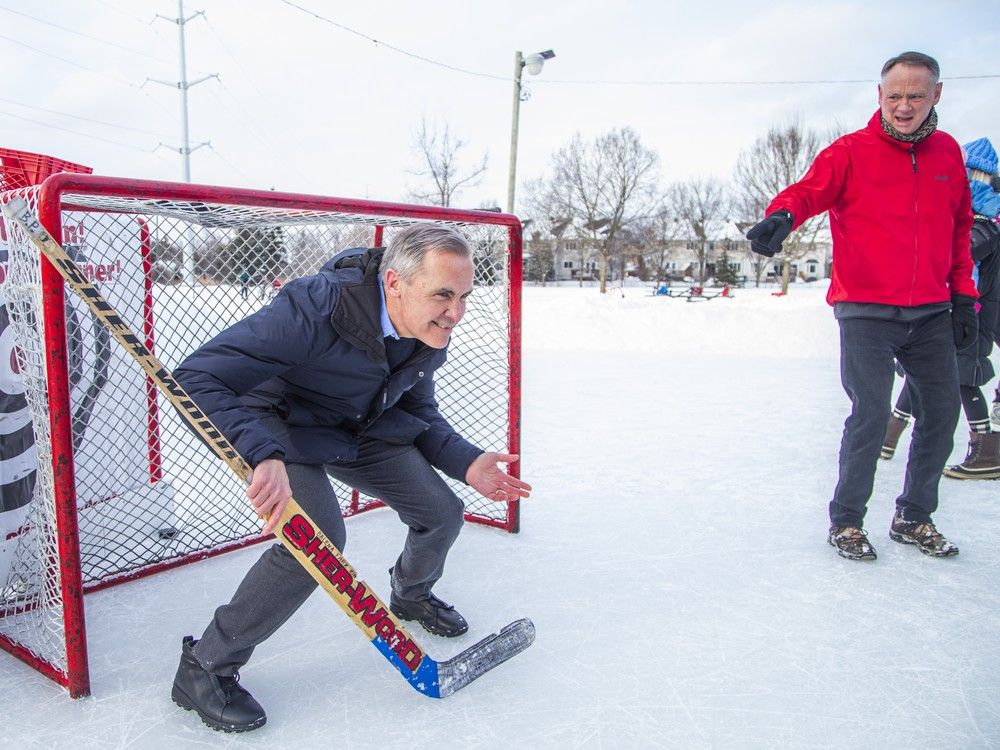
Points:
[(534, 63), (512, 169)]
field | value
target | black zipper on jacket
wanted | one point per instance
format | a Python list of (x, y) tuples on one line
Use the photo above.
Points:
[(913, 156)]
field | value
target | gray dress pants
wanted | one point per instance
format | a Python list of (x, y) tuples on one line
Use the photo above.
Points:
[(277, 584)]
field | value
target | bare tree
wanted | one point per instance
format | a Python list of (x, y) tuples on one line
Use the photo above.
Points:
[(542, 207), (772, 163), (602, 186), (440, 166), (703, 204), (656, 237)]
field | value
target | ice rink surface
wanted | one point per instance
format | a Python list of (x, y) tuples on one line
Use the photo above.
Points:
[(672, 557)]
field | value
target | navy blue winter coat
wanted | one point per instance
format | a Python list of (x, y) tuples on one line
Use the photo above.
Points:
[(974, 365), (313, 365)]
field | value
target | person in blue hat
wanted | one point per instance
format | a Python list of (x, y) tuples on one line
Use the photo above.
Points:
[(982, 163)]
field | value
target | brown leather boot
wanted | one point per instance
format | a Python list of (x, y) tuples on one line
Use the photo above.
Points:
[(983, 459), (893, 429)]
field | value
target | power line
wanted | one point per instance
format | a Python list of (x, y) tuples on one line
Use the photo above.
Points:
[(399, 50), (81, 34), (607, 82), (146, 25), (232, 166), (738, 83), (74, 64), (68, 30), (85, 119), (123, 12), (77, 132), (264, 137), (63, 59)]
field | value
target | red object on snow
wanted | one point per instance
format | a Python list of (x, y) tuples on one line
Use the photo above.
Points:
[(20, 169)]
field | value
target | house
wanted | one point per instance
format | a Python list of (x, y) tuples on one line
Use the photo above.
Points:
[(561, 254)]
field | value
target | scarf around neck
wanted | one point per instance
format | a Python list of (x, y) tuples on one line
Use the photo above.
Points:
[(928, 127)]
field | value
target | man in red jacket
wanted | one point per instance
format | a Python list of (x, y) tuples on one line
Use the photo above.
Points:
[(901, 288)]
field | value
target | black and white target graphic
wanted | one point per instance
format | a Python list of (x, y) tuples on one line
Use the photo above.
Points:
[(18, 462), (88, 345), (88, 349)]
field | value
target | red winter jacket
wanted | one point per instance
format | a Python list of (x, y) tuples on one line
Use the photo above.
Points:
[(900, 216)]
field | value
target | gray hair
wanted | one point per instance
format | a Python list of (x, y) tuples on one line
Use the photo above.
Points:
[(913, 58), (408, 247)]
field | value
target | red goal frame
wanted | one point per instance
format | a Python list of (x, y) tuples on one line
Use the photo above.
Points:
[(55, 195)]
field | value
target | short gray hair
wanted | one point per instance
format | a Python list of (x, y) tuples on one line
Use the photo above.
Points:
[(916, 59), (408, 247)]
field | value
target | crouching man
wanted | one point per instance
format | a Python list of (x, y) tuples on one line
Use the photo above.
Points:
[(335, 378)]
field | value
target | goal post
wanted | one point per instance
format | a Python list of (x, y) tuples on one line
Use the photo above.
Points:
[(122, 489)]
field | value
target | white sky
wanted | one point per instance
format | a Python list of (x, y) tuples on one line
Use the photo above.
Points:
[(306, 106)]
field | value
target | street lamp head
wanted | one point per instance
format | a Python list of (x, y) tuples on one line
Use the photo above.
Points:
[(535, 61)]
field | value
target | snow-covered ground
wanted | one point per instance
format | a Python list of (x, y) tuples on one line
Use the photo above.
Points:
[(672, 557)]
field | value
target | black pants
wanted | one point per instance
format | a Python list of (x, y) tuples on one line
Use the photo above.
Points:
[(973, 404), (926, 349), (277, 584)]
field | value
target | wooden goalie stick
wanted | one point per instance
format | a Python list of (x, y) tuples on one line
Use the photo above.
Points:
[(295, 529)]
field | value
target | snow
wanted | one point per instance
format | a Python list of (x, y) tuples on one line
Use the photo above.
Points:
[(672, 557)]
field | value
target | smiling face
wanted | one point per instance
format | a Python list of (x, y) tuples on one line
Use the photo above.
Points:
[(429, 304), (906, 95)]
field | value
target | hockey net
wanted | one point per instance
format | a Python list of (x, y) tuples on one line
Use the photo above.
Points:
[(117, 486)]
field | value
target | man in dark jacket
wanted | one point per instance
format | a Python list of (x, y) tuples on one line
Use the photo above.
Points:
[(336, 377), (901, 288)]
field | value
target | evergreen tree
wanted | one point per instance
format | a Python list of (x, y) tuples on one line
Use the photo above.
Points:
[(258, 250), (725, 274)]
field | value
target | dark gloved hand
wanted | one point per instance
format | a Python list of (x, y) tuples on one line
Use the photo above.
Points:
[(766, 236), (985, 238), (964, 320)]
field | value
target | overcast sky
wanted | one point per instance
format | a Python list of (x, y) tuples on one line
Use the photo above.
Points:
[(305, 105)]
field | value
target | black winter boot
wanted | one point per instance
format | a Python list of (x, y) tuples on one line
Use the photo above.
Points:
[(433, 614), (983, 459), (219, 701), (893, 429)]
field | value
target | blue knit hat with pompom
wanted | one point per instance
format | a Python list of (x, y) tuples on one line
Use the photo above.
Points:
[(980, 154)]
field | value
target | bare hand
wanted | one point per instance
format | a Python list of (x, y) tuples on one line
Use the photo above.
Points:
[(491, 482), (269, 492)]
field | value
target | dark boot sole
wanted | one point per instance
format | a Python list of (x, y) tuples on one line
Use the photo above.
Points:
[(960, 472), (903, 539), (187, 704), (432, 629), (848, 556)]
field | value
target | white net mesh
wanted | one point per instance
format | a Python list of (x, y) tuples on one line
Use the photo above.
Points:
[(147, 492), (30, 579)]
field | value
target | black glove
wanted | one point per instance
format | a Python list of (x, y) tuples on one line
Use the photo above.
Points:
[(964, 320), (985, 238), (766, 236)]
